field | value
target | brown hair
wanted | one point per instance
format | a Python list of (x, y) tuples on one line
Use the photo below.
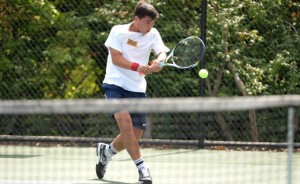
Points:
[(143, 9)]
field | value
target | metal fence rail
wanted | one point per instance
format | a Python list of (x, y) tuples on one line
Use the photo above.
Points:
[(83, 120)]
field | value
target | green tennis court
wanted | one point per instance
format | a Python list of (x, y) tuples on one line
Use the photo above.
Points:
[(26, 164)]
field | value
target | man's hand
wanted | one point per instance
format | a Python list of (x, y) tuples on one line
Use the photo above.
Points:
[(155, 67), (144, 69)]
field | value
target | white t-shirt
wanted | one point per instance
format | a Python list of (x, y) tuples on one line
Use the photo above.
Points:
[(135, 47)]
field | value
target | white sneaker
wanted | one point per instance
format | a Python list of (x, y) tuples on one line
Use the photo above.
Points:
[(102, 160), (144, 176)]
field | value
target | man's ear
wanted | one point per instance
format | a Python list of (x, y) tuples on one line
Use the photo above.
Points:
[(135, 18)]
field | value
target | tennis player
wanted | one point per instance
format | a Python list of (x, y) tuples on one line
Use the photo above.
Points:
[(129, 48)]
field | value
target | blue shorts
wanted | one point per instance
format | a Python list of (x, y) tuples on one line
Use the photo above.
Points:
[(112, 92)]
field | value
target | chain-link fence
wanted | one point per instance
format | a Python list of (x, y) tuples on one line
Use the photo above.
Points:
[(55, 50)]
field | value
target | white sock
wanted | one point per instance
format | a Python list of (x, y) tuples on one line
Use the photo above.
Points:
[(140, 163), (110, 151)]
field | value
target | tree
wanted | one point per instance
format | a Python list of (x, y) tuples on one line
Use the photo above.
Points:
[(21, 48)]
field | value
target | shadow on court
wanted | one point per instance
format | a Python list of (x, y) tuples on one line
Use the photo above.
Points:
[(163, 154), (15, 156), (104, 181), (113, 182)]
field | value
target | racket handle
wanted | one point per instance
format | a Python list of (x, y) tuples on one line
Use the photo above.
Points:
[(161, 64)]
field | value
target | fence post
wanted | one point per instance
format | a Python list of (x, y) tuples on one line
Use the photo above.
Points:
[(202, 65)]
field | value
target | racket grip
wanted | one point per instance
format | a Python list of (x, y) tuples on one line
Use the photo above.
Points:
[(161, 64)]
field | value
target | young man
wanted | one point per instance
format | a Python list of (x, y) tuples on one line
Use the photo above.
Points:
[(129, 48)]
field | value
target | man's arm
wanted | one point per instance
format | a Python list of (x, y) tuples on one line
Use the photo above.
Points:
[(161, 56), (119, 60), (155, 63)]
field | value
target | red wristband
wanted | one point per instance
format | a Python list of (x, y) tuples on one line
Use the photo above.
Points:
[(134, 66)]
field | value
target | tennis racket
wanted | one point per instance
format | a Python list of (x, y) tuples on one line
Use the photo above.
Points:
[(186, 54)]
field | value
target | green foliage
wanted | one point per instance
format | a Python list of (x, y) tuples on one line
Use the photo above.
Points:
[(70, 57), (254, 35), (283, 74), (20, 48), (52, 49)]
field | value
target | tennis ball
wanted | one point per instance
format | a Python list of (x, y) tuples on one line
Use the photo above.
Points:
[(203, 73)]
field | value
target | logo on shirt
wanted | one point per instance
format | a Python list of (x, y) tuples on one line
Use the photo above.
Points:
[(132, 42)]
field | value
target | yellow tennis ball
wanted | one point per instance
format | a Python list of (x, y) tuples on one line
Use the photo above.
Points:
[(203, 73)]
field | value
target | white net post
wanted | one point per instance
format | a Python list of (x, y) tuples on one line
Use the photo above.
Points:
[(290, 137)]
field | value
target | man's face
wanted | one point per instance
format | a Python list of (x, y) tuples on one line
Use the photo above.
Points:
[(145, 24)]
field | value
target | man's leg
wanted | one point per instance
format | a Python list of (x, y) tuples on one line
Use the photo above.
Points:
[(127, 138), (105, 151)]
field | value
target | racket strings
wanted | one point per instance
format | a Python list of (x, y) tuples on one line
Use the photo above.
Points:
[(188, 52)]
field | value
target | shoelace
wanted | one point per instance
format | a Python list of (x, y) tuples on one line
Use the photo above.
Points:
[(105, 159)]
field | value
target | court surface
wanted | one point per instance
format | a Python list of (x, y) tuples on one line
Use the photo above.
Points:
[(60, 165)]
